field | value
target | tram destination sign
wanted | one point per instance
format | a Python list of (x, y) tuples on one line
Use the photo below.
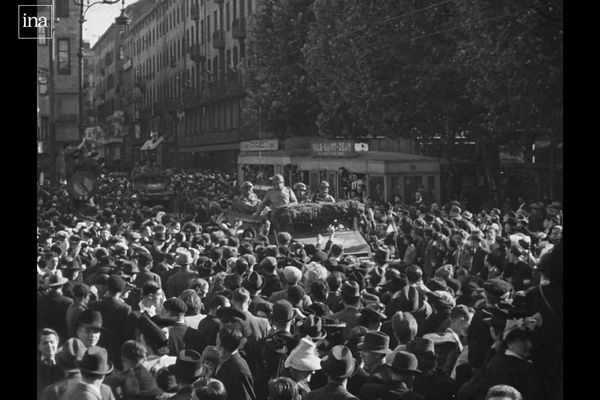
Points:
[(332, 148), (259, 145)]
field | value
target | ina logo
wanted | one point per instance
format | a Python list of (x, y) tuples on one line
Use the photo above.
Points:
[(35, 21)]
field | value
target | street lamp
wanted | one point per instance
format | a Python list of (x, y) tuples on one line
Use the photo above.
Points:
[(122, 19)]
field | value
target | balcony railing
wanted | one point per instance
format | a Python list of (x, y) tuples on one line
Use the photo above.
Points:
[(238, 28), (219, 39), (197, 54)]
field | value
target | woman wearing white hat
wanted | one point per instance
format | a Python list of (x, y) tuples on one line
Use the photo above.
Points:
[(301, 364)]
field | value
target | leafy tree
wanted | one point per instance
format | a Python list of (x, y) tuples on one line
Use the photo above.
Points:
[(279, 96)]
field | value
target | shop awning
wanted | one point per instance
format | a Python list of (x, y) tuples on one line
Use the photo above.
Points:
[(152, 143)]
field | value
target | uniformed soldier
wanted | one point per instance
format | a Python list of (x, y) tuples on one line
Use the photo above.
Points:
[(248, 201), (323, 195), (278, 196), (301, 192)]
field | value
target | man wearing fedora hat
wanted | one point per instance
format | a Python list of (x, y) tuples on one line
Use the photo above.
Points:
[(301, 364), (351, 312), (339, 365), (275, 347), (433, 383), (187, 369), (81, 297), (373, 350), (254, 284), (52, 307), (401, 374), (94, 367), (69, 354), (115, 318), (178, 282)]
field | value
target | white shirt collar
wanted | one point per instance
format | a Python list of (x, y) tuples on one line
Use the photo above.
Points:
[(150, 310)]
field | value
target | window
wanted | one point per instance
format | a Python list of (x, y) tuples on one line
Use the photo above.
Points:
[(207, 29), (235, 56), (227, 21), (62, 8), (42, 35), (228, 59), (110, 82), (249, 7), (241, 8), (215, 21), (64, 57), (201, 31), (234, 10)]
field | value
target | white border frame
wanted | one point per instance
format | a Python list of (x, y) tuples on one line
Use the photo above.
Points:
[(35, 5)]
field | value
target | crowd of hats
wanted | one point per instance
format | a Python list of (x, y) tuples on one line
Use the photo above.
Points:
[(108, 237)]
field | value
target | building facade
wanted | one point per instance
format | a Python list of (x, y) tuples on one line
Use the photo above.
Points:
[(64, 79), (176, 80)]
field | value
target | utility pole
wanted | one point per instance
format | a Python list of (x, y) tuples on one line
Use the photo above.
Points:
[(52, 112)]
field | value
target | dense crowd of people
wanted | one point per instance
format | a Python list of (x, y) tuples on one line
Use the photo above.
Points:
[(138, 303)]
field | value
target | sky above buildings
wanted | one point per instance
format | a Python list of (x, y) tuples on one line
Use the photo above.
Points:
[(98, 19)]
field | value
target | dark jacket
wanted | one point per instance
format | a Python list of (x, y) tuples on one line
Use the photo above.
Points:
[(47, 375), (331, 391), (389, 391), (52, 313), (237, 378), (435, 385), (272, 285), (56, 390), (512, 371), (116, 318), (209, 328)]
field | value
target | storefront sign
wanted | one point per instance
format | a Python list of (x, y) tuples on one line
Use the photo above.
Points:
[(259, 145), (337, 148)]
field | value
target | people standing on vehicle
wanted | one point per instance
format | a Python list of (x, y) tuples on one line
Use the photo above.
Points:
[(248, 202), (278, 196), (323, 195), (301, 192)]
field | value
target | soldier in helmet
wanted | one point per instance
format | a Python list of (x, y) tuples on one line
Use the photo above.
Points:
[(323, 195), (278, 196), (247, 202), (301, 192)]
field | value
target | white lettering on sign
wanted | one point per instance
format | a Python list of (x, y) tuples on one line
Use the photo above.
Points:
[(332, 148), (259, 145)]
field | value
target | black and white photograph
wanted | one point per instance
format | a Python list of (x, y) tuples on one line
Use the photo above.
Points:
[(296, 199)]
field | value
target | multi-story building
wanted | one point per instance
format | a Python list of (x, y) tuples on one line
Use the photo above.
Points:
[(113, 88), (65, 46), (176, 80)]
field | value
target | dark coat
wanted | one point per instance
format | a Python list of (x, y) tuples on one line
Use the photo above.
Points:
[(47, 375), (350, 316), (209, 328), (256, 300), (56, 390), (272, 284), (510, 370), (116, 318), (331, 391), (435, 385), (237, 378), (52, 313), (388, 391), (479, 339)]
